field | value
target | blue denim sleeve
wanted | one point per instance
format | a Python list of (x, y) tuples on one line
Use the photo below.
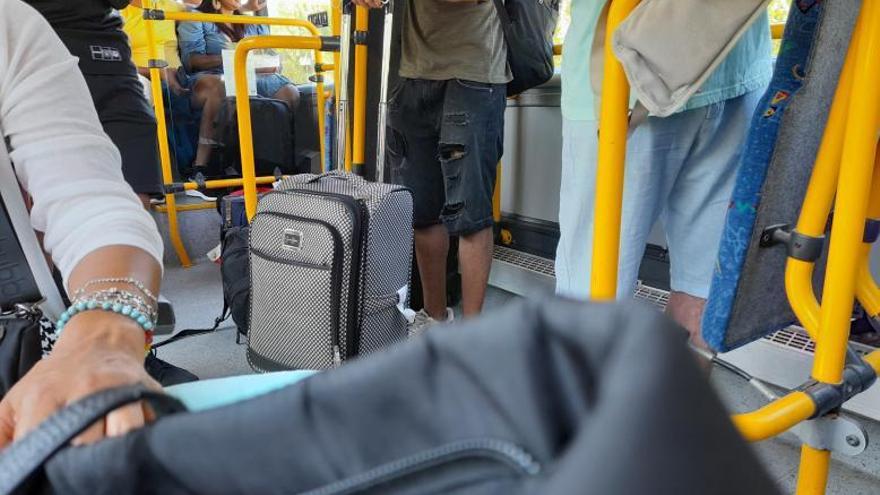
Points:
[(256, 30), (191, 39)]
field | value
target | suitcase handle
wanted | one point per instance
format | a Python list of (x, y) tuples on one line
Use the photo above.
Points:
[(22, 459), (335, 174)]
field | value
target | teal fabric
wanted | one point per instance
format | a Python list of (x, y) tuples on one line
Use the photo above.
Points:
[(209, 394), (748, 67)]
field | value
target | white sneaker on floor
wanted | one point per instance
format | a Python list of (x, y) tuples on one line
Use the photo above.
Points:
[(423, 321), (193, 193)]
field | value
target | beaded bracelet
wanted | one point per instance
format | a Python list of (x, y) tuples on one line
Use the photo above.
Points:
[(117, 280), (116, 301)]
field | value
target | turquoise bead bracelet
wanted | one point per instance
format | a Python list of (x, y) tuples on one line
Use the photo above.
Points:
[(115, 301)]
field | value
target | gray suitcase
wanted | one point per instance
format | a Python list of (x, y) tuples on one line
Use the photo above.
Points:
[(330, 267)]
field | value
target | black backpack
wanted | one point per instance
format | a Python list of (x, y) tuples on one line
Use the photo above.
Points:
[(544, 397), (528, 29), (272, 125)]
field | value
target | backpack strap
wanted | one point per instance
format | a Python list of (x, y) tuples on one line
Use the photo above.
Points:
[(25, 457)]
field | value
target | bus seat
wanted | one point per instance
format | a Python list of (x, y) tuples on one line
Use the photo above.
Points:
[(747, 298)]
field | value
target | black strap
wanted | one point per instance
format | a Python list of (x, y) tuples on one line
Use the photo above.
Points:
[(505, 19), (18, 285), (195, 332), (25, 457)]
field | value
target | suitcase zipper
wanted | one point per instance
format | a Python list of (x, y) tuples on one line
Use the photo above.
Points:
[(336, 274), (357, 209), (503, 452)]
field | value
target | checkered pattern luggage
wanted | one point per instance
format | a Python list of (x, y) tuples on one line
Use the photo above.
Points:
[(330, 266)]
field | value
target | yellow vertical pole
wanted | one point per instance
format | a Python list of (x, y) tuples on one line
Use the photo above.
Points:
[(362, 24), (853, 190), (814, 479), (613, 125), (866, 287), (164, 152), (243, 107), (245, 129), (819, 197), (856, 171)]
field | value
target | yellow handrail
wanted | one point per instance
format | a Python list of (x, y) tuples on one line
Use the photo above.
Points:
[(242, 103), (777, 30), (612, 158), (151, 14), (359, 124), (164, 152), (819, 198), (776, 417), (233, 19)]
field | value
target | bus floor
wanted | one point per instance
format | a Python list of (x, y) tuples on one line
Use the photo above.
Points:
[(197, 297)]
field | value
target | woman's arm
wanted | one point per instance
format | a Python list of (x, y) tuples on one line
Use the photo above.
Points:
[(93, 223)]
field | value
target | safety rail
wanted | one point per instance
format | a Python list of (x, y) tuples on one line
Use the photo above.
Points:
[(156, 64), (245, 133), (847, 171)]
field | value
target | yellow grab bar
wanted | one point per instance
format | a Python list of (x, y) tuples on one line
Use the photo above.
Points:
[(819, 198), (359, 131), (776, 417), (159, 15), (242, 102), (854, 187), (613, 124), (164, 152)]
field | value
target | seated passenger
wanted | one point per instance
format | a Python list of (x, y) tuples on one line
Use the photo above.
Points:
[(93, 224), (201, 47), (113, 83), (680, 169), (164, 37)]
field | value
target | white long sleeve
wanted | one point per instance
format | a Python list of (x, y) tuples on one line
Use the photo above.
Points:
[(61, 155)]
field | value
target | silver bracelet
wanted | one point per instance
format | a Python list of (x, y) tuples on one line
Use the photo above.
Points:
[(121, 298), (118, 280)]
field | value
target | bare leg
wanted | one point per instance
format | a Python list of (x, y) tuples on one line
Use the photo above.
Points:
[(475, 257), (687, 311), (208, 94), (432, 248), (288, 94)]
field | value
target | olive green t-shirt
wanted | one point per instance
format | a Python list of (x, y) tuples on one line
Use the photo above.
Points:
[(444, 40)]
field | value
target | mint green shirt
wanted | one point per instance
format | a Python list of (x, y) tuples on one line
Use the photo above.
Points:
[(747, 68)]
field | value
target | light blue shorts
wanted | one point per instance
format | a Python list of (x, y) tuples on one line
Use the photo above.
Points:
[(680, 169)]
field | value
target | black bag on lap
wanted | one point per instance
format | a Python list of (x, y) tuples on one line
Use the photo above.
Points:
[(272, 125), (551, 397)]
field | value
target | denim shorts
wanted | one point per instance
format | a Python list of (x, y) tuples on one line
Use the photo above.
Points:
[(444, 143)]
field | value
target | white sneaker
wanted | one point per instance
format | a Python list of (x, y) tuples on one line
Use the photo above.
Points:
[(423, 321), (195, 193)]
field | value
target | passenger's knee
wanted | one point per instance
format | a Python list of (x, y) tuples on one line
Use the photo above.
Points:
[(288, 94), (209, 89)]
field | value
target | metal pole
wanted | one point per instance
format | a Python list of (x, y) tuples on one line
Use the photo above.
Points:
[(381, 144), (342, 104)]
